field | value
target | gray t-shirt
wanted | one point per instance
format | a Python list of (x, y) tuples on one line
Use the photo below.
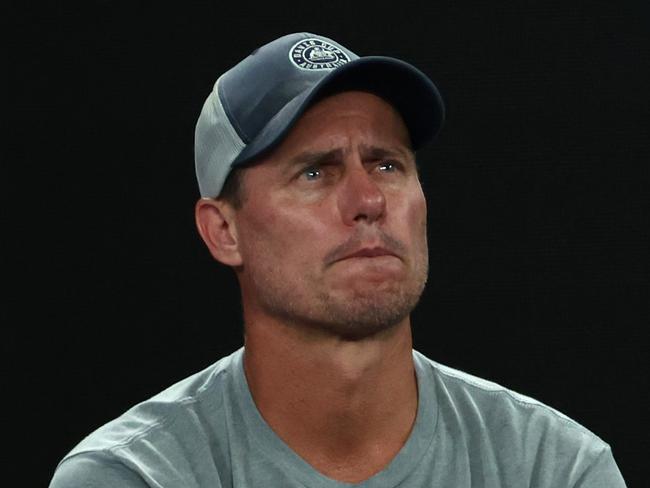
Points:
[(206, 431)]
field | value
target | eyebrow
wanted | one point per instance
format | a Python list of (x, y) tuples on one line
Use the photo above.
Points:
[(314, 158), (375, 152)]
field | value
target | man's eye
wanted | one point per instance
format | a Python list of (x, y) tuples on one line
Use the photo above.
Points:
[(387, 167), (312, 173)]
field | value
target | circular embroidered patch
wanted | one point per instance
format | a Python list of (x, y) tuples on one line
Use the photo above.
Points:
[(312, 54)]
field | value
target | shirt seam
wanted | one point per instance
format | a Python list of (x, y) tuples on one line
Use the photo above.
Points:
[(108, 452), (515, 397), (183, 402)]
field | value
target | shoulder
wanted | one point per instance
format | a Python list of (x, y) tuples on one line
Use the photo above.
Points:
[(501, 419), (186, 417), (98, 470), (505, 435)]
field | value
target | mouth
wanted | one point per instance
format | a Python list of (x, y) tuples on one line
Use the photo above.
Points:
[(376, 249), (369, 252)]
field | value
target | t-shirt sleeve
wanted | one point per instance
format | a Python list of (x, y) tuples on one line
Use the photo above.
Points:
[(95, 471), (603, 473)]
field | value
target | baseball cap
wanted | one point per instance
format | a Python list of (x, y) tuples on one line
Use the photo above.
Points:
[(253, 105)]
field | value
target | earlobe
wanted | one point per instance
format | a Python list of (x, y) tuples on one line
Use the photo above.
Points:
[(216, 223)]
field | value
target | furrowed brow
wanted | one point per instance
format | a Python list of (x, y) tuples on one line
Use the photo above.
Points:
[(314, 158), (374, 152)]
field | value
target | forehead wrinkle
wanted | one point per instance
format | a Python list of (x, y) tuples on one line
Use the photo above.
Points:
[(317, 157), (378, 152), (341, 147), (367, 152)]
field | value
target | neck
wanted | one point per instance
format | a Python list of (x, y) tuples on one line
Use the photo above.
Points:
[(346, 407)]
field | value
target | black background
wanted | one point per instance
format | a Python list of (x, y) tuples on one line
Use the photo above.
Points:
[(537, 191)]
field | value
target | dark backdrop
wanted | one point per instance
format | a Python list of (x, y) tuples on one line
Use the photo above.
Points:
[(537, 190)]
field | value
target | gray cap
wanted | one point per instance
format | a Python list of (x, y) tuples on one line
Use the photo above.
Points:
[(254, 104)]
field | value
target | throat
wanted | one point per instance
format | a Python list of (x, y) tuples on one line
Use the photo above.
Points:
[(346, 408)]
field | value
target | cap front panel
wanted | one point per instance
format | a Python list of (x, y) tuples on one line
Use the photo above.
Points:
[(259, 86)]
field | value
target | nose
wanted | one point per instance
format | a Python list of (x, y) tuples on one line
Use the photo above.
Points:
[(360, 198)]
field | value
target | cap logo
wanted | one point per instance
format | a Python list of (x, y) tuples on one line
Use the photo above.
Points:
[(316, 54)]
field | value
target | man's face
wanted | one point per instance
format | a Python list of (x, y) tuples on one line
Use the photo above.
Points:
[(332, 232)]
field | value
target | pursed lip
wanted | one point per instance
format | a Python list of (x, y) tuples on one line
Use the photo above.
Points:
[(369, 252)]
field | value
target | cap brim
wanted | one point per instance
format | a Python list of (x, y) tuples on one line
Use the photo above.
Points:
[(409, 90)]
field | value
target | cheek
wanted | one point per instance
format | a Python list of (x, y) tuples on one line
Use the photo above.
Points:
[(416, 212), (260, 244), (420, 210), (279, 238), (416, 218), (255, 231)]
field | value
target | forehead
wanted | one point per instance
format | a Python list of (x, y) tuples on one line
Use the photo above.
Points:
[(344, 121), (332, 129)]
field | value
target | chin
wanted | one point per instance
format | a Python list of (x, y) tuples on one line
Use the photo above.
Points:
[(357, 331), (367, 314)]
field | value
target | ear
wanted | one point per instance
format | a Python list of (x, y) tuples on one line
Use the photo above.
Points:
[(216, 224)]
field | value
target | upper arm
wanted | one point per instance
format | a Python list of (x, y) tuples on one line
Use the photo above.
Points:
[(602, 473), (95, 471)]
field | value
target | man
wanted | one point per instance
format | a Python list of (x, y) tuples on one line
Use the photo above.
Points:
[(310, 192)]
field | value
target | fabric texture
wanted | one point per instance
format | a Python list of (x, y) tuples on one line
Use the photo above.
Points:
[(206, 431), (216, 145)]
